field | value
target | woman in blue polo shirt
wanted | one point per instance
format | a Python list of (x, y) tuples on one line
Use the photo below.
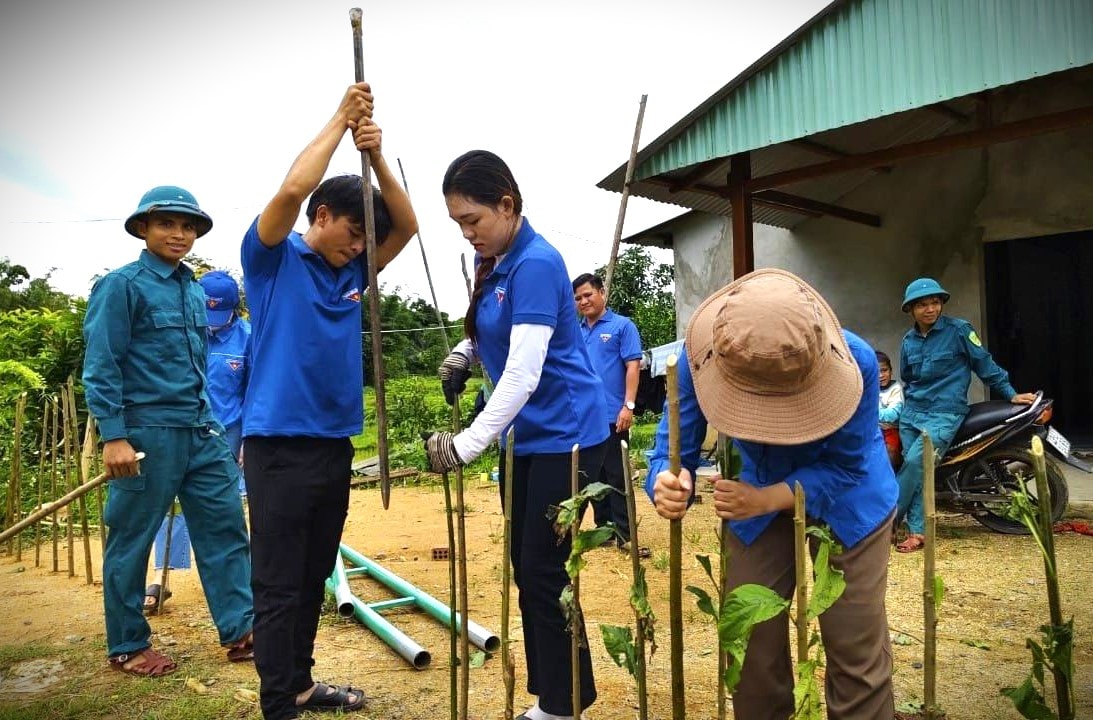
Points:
[(522, 326)]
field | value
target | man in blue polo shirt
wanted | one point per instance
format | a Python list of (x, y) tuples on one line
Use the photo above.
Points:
[(304, 397), (614, 347)]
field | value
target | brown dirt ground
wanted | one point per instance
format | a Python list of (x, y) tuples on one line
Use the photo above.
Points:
[(995, 597)]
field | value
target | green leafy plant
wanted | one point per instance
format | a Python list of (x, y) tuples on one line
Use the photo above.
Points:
[(828, 586), (567, 515)]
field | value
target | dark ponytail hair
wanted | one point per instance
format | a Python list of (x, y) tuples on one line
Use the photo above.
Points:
[(483, 177)]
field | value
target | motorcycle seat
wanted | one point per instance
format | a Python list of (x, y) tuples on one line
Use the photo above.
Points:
[(984, 415)]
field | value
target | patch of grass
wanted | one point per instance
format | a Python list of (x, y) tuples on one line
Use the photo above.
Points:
[(660, 560), (12, 654)]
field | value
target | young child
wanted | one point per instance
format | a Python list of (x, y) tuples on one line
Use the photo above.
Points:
[(891, 405), (144, 378)]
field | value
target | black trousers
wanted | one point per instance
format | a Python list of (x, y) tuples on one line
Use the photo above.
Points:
[(538, 561), (612, 508), (298, 491)]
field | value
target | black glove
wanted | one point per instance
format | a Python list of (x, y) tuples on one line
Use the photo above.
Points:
[(454, 372), (441, 451)]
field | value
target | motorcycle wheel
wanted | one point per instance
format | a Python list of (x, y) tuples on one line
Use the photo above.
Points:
[(1012, 467)]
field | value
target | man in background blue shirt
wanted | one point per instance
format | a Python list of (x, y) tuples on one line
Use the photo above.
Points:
[(614, 348), (144, 379), (937, 358)]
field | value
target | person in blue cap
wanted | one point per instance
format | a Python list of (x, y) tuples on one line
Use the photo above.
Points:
[(522, 325), (145, 383), (938, 356), (226, 366), (304, 397)]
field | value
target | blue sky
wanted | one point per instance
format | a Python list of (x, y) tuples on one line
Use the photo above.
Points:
[(105, 100)]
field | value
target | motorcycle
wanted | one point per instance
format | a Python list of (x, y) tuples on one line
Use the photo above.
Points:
[(990, 458)]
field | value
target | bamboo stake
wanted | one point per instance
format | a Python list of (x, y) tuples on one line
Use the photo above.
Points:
[(640, 622), (38, 481), (53, 477), (466, 276), (929, 598), (378, 374), (630, 164), (508, 672), (425, 262), (15, 490), (461, 541), (70, 527), (675, 550), (800, 549), (165, 571), (1064, 692), (453, 622), (87, 460), (725, 462), (79, 467), (57, 504), (577, 622)]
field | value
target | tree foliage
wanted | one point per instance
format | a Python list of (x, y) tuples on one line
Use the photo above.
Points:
[(412, 341), (642, 290)]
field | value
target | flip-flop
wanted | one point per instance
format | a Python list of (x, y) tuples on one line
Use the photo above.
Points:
[(241, 650), (330, 698), (152, 591), (913, 543), (155, 664)]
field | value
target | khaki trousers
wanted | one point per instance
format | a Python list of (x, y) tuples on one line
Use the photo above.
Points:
[(858, 653)]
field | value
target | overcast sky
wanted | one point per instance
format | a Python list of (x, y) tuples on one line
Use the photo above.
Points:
[(103, 100)]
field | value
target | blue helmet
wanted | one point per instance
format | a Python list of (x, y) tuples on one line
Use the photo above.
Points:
[(921, 288), (169, 198)]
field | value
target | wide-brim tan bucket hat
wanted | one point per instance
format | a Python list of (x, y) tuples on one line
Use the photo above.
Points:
[(769, 361)]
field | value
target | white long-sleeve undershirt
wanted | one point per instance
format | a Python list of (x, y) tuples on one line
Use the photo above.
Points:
[(523, 367)]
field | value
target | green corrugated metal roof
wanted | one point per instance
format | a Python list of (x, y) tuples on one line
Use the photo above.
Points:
[(863, 59)]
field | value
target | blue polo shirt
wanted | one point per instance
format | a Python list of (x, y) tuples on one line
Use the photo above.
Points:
[(306, 377), (531, 286), (847, 478), (936, 367), (612, 341), (227, 365), (144, 362)]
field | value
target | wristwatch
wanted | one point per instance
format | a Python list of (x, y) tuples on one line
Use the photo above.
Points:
[(629, 405)]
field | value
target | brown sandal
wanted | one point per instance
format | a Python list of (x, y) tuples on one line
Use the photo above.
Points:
[(241, 650), (913, 543), (153, 664)]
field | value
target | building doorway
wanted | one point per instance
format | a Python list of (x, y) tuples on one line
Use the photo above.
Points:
[(1039, 302)]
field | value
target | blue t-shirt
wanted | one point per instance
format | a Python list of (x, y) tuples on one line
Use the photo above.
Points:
[(531, 286), (227, 366), (612, 341), (307, 376), (847, 477)]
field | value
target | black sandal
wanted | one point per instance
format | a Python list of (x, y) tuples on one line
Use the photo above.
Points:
[(329, 698)]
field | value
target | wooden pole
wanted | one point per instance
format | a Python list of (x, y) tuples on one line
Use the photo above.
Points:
[(57, 504), (507, 660), (576, 624), (425, 262), (640, 621), (79, 468), (461, 558), (15, 489), (1064, 692), (378, 373), (929, 598), (38, 481), (724, 460), (800, 550), (53, 478), (630, 164), (70, 521), (453, 597), (675, 550), (87, 461)]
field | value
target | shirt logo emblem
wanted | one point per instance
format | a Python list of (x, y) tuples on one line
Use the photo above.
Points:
[(499, 293), (604, 337), (353, 295), (974, 339), (213, 302), (235, 365)]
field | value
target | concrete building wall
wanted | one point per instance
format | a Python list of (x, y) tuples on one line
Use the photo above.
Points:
[(937, 213)]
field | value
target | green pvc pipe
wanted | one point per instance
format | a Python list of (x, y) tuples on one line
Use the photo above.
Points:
[(480, 636), (409, 650)]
